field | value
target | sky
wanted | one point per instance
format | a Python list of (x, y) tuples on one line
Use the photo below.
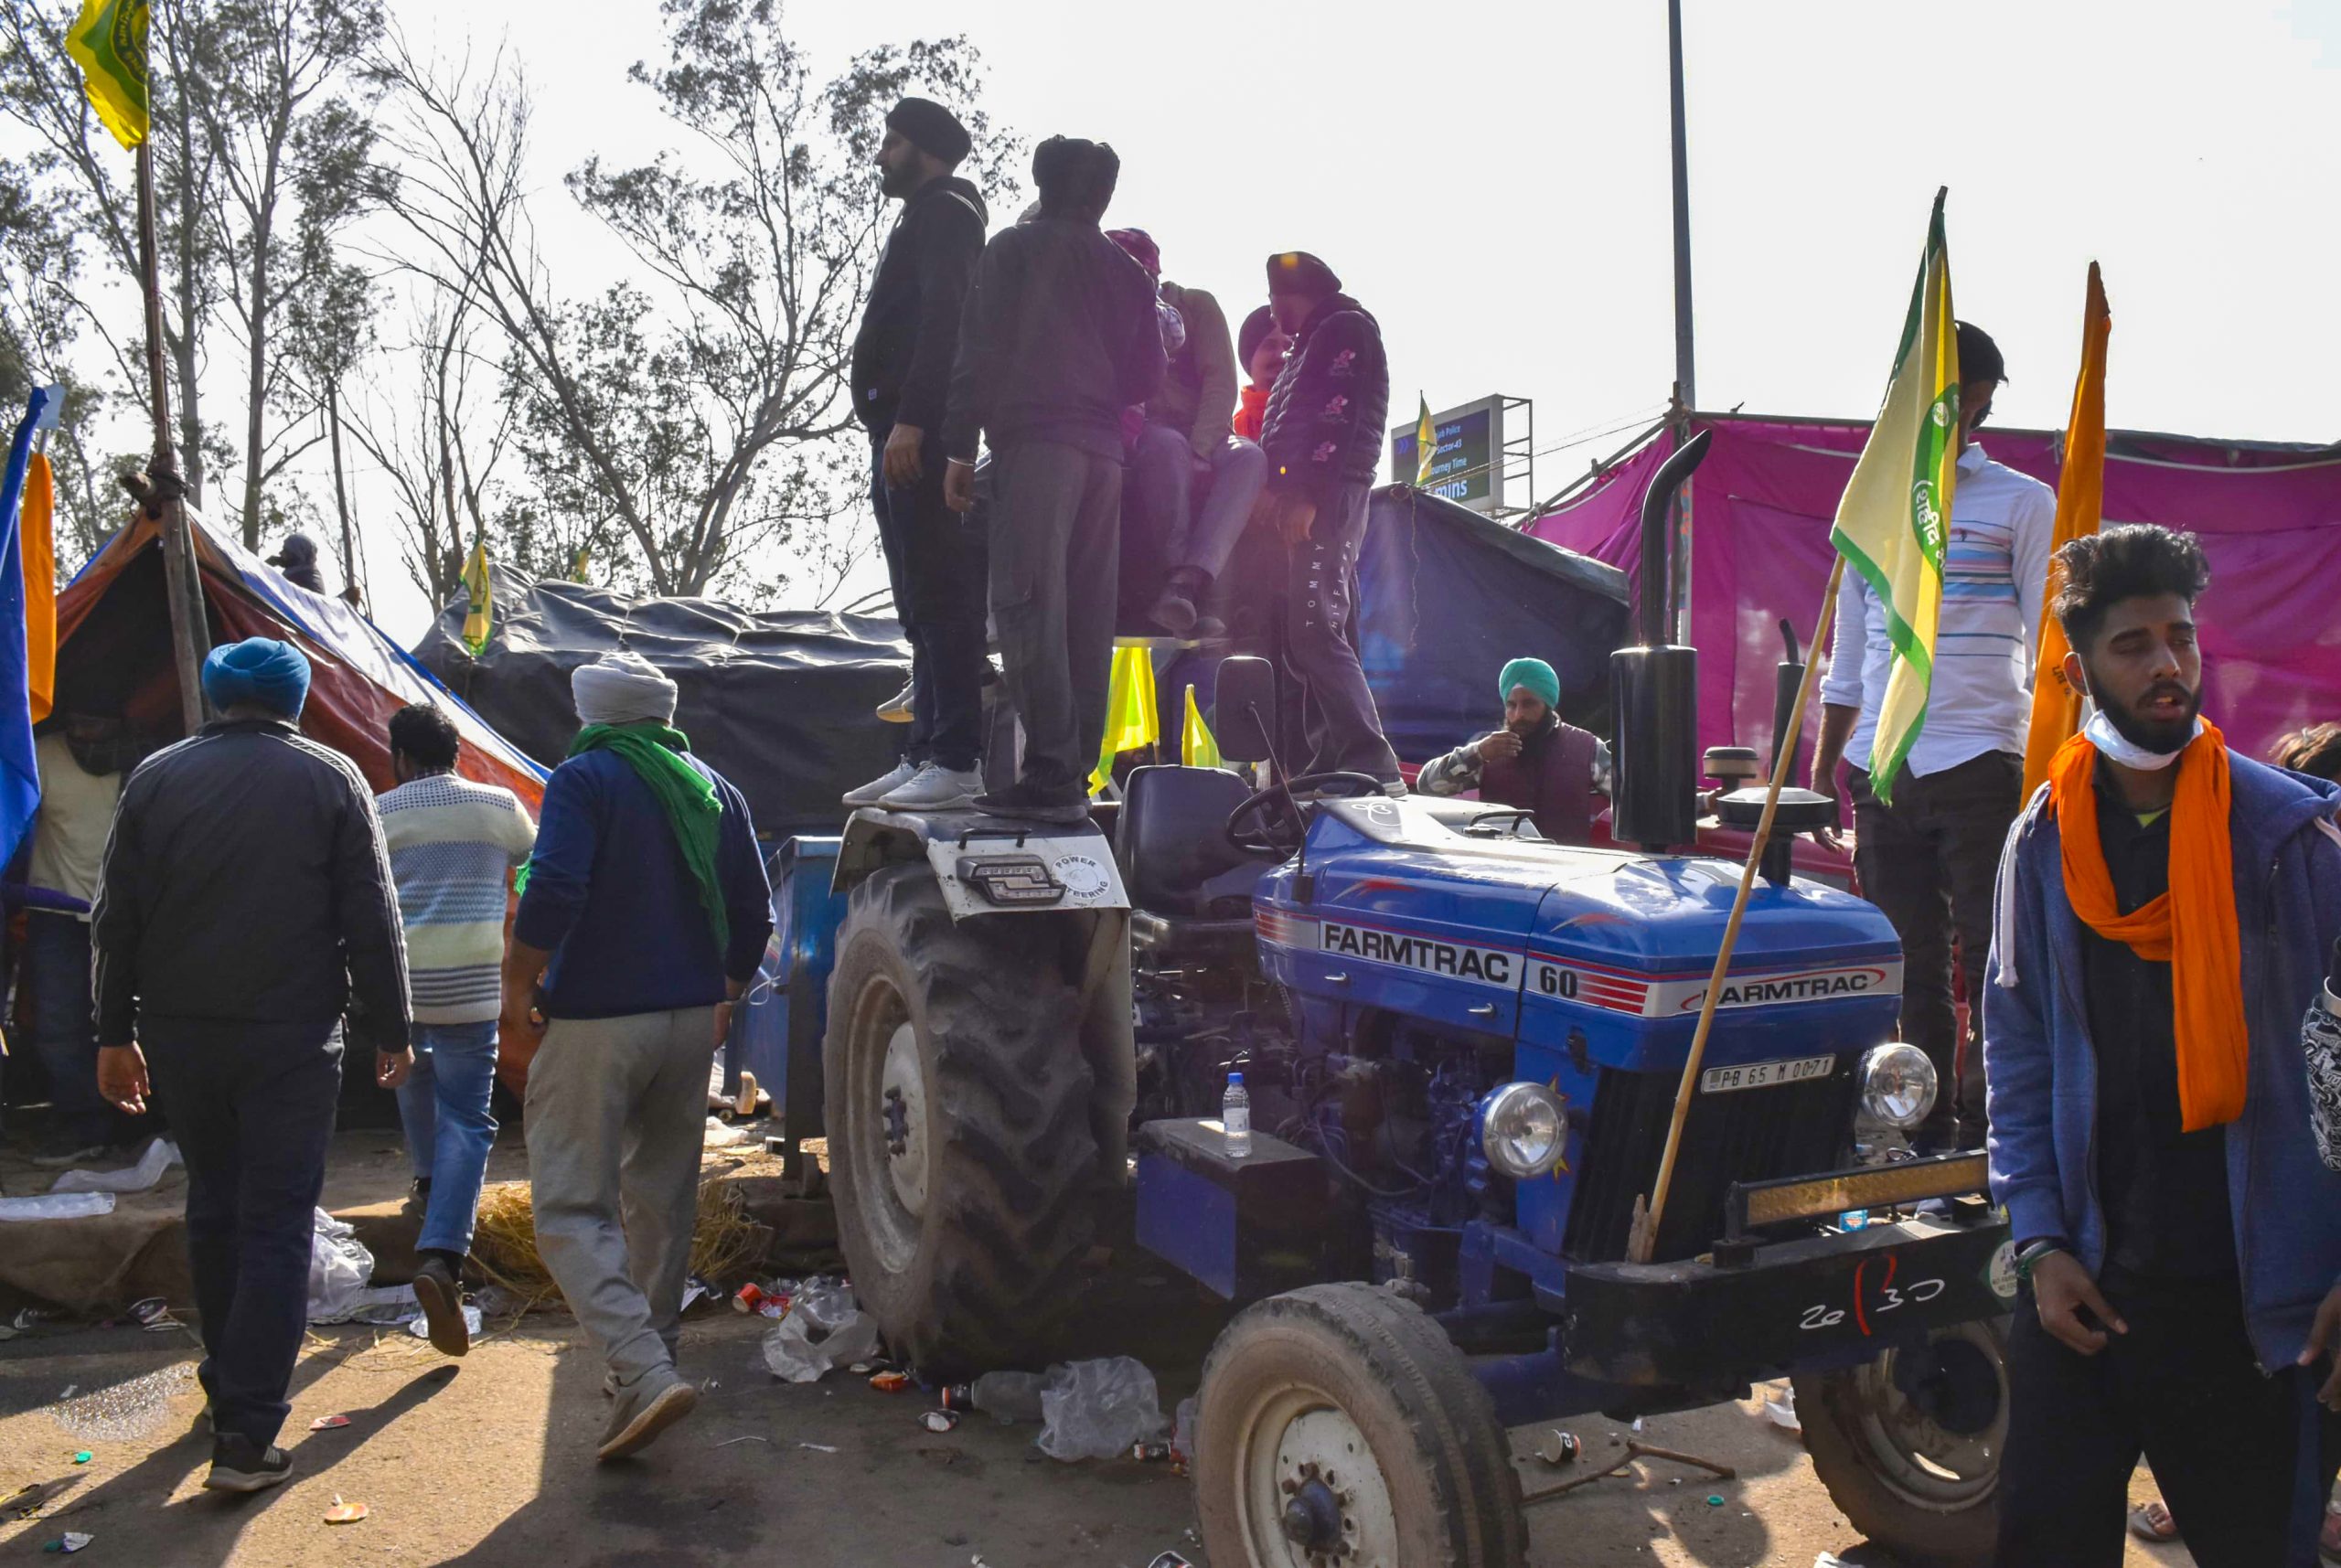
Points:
[(1491, 181)]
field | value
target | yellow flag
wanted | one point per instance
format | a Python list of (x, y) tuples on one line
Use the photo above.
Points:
[(1132, 720), (581, 563), (481, 616), (109, 43), (1425, 441), (40, 545), (2080, 507), (1197, 746), (1895, 516)]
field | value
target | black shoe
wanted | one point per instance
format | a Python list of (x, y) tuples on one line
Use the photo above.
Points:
[(1038, 802), (443, 1306), (1208, 629), (241, 1465), (1173, 611)]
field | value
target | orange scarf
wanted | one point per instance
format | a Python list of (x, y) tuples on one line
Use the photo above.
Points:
[(2192, 927)]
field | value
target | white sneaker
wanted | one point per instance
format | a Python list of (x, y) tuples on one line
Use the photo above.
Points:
[(936, 789), (879, 788)]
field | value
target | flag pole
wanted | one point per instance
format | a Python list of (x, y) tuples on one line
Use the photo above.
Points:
[(164, 494), (1643, 1239)]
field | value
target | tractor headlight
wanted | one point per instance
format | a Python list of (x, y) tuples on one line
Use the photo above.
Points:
[(1523, 1128), (1897, 1084)]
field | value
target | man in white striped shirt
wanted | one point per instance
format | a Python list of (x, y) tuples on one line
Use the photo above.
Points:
[(1928, 860), (453, 847)]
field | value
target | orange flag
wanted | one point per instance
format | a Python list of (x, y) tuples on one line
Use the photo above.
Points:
[(40, 586), (2080, 507)]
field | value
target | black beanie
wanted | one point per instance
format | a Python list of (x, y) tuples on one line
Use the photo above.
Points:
[(1247, 337), (931, 128)]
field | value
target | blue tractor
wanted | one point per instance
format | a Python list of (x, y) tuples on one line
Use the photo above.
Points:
[(1463, 1045)]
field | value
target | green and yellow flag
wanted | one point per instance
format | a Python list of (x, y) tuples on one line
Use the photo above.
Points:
[(481, 616), (1425, 441), (1133, 720), (581, 563), (1896, 512), (109, 43)]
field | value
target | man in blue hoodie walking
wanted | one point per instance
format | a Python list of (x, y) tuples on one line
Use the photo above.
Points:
[(2164, 913)]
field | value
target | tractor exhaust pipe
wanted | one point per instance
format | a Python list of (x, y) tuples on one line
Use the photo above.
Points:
[(1654, 692)]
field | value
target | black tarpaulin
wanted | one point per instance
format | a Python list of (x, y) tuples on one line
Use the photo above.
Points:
[(781, 703)]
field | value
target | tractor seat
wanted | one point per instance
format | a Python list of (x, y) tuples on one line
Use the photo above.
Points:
[(1172, 843)]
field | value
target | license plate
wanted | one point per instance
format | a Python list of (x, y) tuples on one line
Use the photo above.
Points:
[(1764, 1074)]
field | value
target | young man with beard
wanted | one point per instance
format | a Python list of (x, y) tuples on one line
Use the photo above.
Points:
[(1548, 769), (902, 375), (2165, 910)]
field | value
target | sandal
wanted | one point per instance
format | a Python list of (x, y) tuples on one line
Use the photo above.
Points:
[(2152, 1521)]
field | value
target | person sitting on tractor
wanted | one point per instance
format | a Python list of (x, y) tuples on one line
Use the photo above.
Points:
[(1550, 769)]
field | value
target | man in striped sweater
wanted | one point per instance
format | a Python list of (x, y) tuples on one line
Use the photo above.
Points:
[(453, 847)]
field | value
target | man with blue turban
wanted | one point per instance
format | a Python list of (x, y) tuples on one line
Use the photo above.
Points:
[(244, 905), (1550, 769)]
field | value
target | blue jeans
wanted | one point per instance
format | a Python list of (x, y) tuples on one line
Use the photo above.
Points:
[(443, 1105), (64, 1032), (1198, 533)]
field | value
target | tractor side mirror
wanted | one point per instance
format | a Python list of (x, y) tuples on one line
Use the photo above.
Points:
[(1245, 706)]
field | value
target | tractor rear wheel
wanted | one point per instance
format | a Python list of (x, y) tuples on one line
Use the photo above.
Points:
[(957, 1099)]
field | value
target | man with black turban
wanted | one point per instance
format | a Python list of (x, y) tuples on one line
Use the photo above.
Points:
[(901, 372), (245, 904), (1059, 336)]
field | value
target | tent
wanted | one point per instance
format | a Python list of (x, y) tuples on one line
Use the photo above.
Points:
[(114, 654), (2269, 516), (780, 702)]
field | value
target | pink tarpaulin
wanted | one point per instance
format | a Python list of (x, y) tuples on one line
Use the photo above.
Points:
[(2269, 516)]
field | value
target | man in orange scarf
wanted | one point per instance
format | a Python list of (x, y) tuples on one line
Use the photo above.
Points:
[(2166, 907)]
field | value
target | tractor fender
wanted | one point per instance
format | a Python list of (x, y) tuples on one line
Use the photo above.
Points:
[(987, 865)]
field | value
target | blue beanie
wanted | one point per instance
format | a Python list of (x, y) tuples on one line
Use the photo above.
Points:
[(259, 670), (1535, 675)]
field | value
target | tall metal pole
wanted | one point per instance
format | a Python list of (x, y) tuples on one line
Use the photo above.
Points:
[(166, 494), (1686, 395), (1685, 386)]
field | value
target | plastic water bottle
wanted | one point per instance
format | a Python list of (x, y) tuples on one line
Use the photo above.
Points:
[(1235, 1116)]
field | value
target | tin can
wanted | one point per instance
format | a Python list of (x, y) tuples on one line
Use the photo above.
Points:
[(751, 1298), (1151, 1452), (939, 1419), (958, 1396)]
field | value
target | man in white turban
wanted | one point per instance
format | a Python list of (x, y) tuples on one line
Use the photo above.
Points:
[(643, 913)]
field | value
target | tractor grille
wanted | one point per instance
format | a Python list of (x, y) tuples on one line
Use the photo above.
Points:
[(1746, 1134)]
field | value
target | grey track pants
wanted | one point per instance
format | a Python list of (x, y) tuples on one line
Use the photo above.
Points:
[(616, 1118), (1055, 552)]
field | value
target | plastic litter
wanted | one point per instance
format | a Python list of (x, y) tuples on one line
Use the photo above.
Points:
[(819, 1447), (71, 1541), (383, 1305), (1171, 1560), (57, 1206), (344, 1513), (83, 1457), (824, 1328), (329, 1422), (159, 1156), (1005, 1396), (1830, 1560), (339, 1266), (1713, 1501), (694, 1288), (1095, 1410), (125, 1411), (939, 1419), (1780, 1411), (421, 1328), (1558, 1447), (1182, 1433), (888, 1382)]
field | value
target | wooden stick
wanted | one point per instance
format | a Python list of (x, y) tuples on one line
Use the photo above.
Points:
[(166, 499), (1644, 1240)]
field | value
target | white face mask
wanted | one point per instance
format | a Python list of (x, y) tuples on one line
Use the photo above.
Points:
[(2112, 742)]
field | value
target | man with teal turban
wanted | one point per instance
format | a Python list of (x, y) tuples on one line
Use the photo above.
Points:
[(245, 905), (1551, 770)]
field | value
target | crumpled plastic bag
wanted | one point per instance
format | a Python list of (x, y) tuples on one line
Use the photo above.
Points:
[(824, 1328), (1096, 1409), (339, 1268)]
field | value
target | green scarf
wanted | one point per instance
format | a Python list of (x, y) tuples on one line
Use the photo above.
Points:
[(693, 810)]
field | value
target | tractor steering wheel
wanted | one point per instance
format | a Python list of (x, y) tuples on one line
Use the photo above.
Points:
[(1281, 830)]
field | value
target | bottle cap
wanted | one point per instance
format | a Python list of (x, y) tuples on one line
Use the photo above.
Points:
[(1235, 1078)]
